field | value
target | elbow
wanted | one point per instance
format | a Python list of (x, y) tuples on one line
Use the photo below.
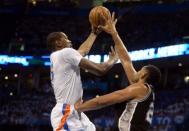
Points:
[(84, 53)]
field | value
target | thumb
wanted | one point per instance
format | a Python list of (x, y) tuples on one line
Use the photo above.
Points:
[(115, 22)]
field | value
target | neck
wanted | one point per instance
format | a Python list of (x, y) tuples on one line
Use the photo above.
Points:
[(59, 48), (142, 81)]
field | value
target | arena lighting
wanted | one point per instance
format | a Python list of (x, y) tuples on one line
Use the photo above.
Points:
[(138, 55), (11, 94), (145, 54), (180, 64), (106, 57), (160, 52), (186, 79), (34, 2), (5, 59), (6, 77), (95, 58), (116, 76), (15, 75), (47, 63)]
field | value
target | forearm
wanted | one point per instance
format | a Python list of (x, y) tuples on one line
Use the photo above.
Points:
[(102, 68), (96, 103), (106, 66), (120, 48), (89, 105), (87, 44), (105, 100), (124, 57)]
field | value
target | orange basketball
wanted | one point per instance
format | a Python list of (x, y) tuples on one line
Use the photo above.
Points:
[(96, 15)]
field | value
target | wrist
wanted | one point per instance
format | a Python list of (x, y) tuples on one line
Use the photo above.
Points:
[(94, 33), (111, 61), (114, 33)]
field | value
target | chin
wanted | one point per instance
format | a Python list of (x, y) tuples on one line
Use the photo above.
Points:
[(135, 80)]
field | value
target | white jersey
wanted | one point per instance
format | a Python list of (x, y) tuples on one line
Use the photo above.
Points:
[(65, 75)]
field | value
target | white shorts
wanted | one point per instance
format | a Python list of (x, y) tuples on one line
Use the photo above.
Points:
[(65, 118)]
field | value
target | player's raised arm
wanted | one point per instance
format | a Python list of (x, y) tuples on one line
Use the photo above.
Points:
[(87, 44), (121, 50), (96, 18), (99, 68)]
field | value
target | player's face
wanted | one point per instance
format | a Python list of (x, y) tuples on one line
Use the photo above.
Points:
[(65, 41), (140, 74), (143, 72), (136, 77)]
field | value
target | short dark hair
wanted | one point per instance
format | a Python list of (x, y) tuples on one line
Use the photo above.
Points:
[(51, 39), (154, 74)]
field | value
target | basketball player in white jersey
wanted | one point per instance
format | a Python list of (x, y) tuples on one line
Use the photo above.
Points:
[(139, 95), (66, 82)]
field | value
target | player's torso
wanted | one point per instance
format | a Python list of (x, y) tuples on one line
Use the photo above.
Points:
[(137, 115), (65, 80)]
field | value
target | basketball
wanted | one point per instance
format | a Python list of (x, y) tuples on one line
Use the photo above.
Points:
[(98, 15)]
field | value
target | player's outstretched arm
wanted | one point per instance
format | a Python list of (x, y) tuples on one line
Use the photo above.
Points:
[(87, 44), (131, 92), (99, 69), (121, 50)]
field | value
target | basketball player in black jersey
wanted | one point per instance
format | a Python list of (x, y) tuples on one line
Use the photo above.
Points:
[(139, 95)]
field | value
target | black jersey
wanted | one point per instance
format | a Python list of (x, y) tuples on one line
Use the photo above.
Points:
[(137, 115)]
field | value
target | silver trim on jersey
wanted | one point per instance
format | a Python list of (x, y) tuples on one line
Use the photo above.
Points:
[(126, 117), (147, 95)]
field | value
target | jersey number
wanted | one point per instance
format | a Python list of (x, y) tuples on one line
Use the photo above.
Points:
[(150, 113)]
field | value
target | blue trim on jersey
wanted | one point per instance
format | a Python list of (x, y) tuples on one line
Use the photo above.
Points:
[(63, 112)]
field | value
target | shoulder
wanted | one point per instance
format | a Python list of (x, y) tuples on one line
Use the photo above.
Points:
[(53, 54), (138, 88), (67, 50)]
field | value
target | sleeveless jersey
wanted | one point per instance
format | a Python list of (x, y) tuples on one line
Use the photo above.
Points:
[(137, 115)]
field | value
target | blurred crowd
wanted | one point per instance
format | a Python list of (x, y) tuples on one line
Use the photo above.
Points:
[(32, 109), (26, 109), (171, 110), (138, 31)]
